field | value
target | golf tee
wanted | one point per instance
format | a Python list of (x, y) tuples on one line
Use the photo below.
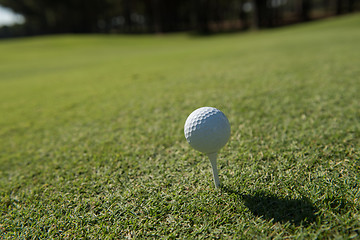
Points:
[(212, 158)]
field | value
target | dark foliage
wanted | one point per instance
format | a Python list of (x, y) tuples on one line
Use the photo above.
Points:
[(160, 16)]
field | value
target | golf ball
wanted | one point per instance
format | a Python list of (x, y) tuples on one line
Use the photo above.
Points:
[(207, 130)]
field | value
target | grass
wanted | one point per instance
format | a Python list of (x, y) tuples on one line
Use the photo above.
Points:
[(92, 143)]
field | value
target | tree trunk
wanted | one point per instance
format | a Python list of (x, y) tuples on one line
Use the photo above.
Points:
[(127, 15), (305, 10), (202, 18)]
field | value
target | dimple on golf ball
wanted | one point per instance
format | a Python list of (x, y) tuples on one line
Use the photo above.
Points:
[(207, 130)]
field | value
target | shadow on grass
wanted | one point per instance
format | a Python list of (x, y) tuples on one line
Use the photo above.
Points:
[(279, 209)]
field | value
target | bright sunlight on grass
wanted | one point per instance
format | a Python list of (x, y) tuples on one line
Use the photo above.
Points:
[(92, 142)]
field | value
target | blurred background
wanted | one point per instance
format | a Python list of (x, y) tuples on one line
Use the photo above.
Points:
[(37, 17)]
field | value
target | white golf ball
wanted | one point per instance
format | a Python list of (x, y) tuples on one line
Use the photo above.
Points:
[(207, 130)]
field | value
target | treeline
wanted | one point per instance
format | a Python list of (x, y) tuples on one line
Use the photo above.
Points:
[(162, 16)]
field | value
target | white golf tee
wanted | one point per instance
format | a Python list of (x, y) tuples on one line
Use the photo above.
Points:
[(212, 158)]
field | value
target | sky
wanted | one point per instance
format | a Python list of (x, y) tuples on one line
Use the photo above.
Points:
[(8, 17)]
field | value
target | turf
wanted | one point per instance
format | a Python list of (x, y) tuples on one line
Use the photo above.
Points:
[(92, 141)]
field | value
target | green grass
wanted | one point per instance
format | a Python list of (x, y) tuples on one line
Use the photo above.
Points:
[(92, 143)]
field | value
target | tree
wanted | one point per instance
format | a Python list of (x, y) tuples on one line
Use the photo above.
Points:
[(161, 16), (305, 10), (57, 16), (261, 13)]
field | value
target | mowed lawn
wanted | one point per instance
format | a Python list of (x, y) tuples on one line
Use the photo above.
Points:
[(92, 143)]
